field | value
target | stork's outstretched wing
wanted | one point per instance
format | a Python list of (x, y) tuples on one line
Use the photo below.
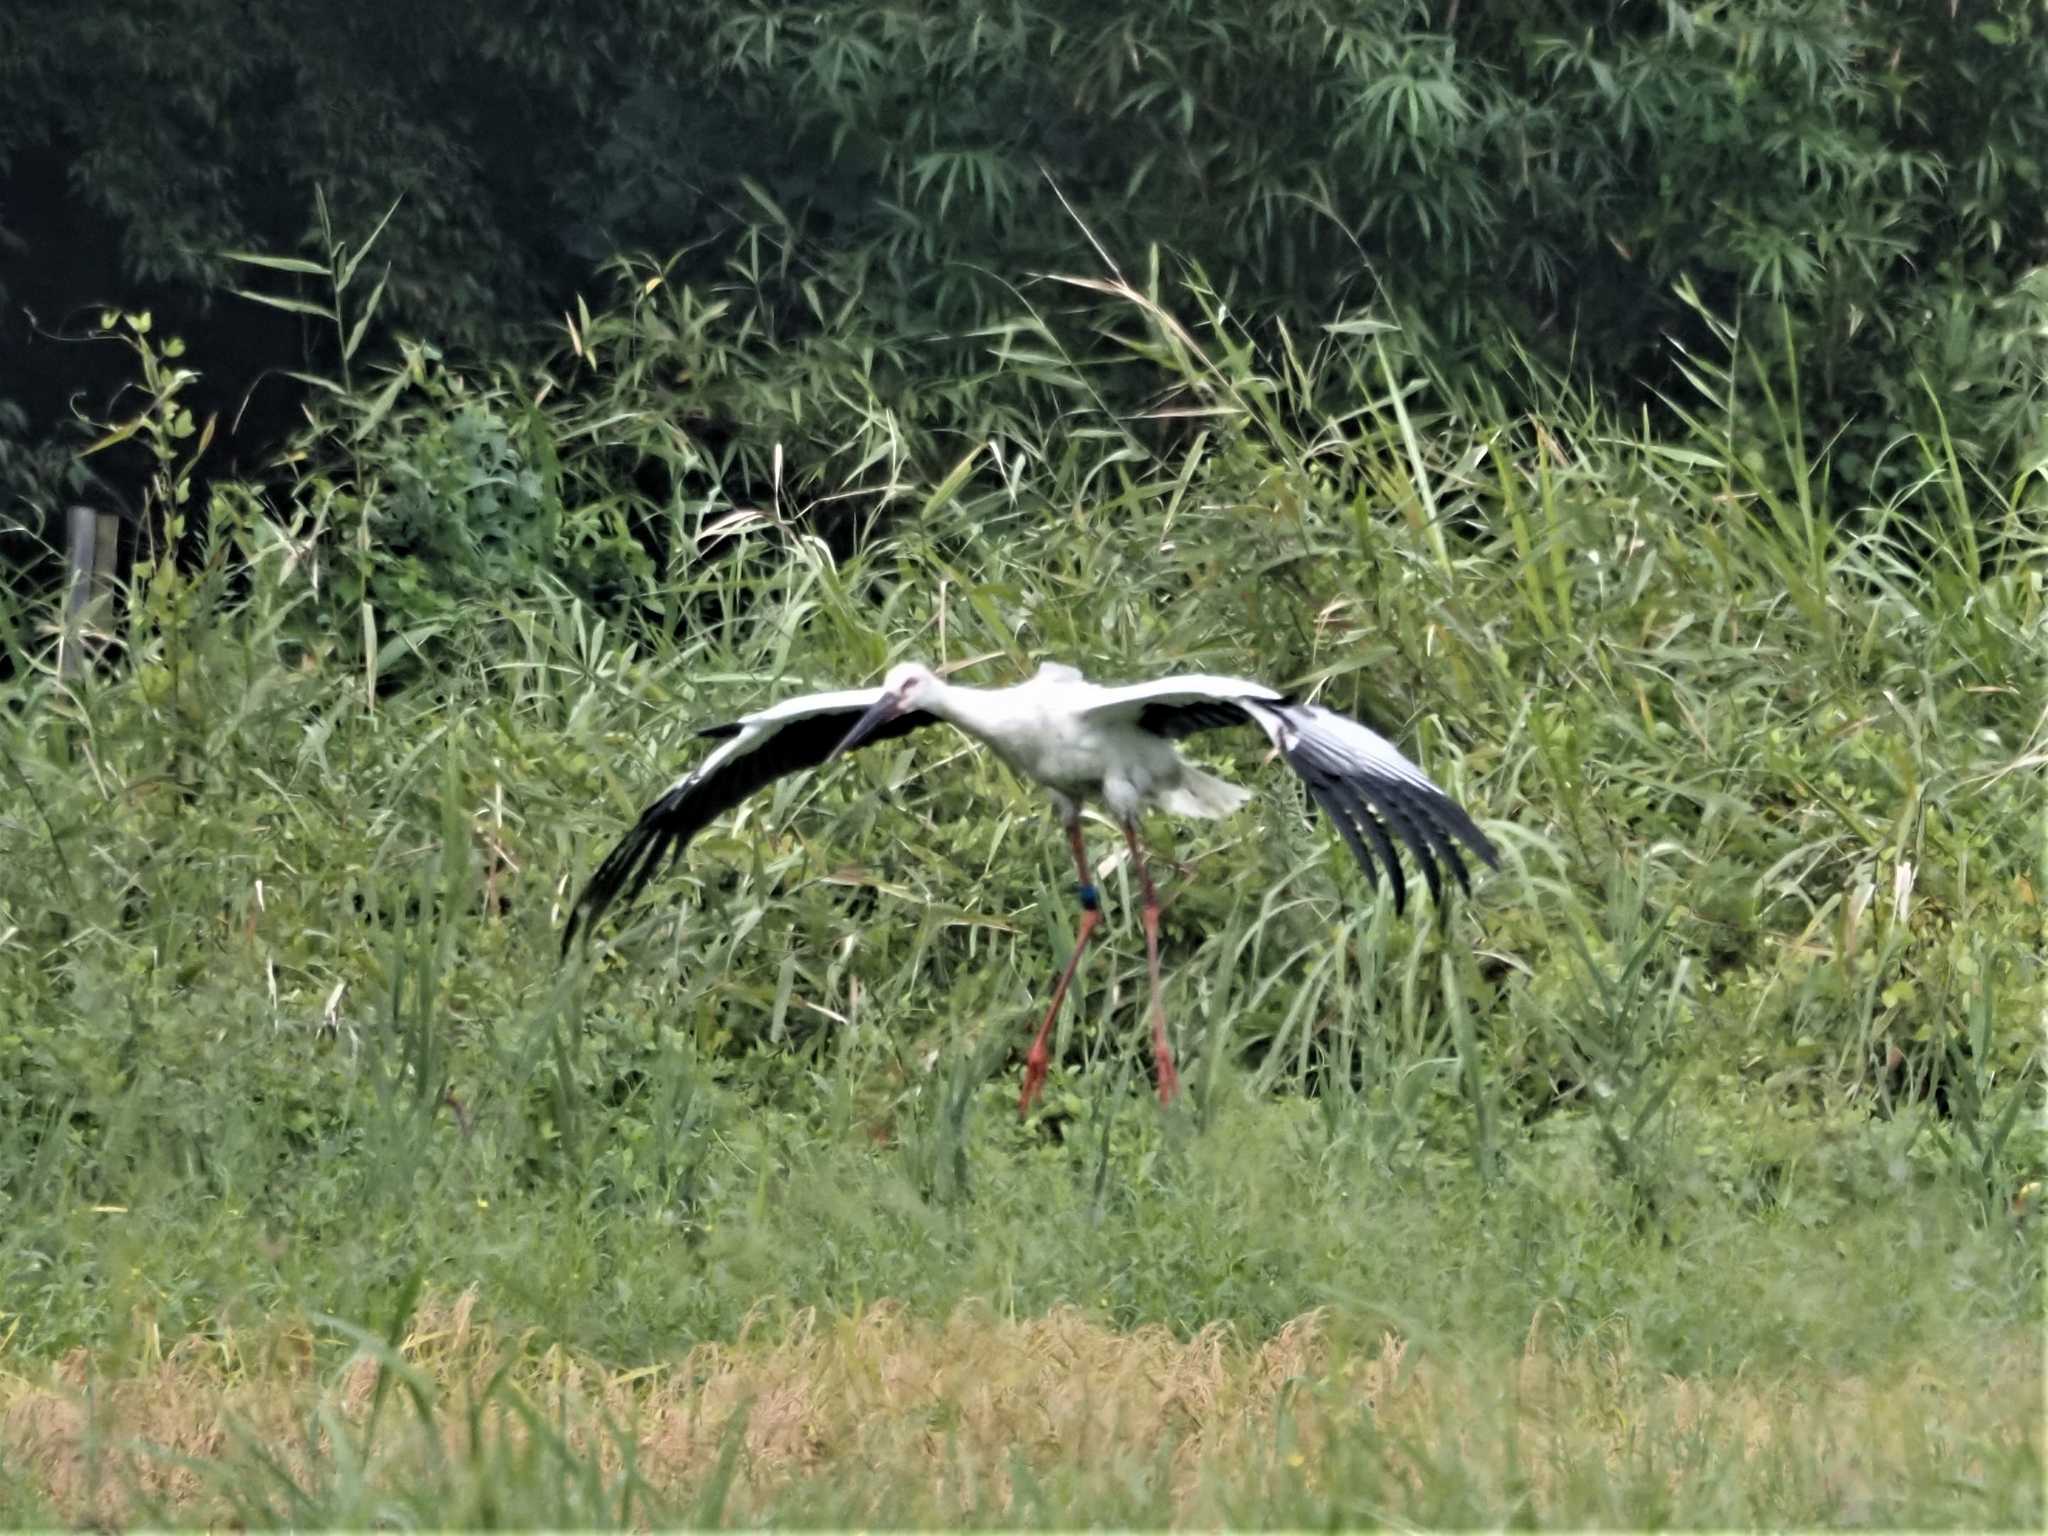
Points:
[(756, 750), (1360, 779)]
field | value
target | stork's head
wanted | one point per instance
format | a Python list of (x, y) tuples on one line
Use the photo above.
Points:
[(907, 682), (906, 687)]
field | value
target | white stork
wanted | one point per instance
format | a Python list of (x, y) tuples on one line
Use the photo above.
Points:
[(1082, 741)]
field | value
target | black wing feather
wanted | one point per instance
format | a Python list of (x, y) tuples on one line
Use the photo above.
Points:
[(1341, 801), (1397, 805), (1362, 803), (1429, 816), (666, 827), (1175, 721), (1329, 795), (1454, 820)]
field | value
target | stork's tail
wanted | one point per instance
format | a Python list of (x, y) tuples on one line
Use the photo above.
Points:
[(1203, 794)]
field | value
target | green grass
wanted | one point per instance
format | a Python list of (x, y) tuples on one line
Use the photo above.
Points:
[(1738, 1060)]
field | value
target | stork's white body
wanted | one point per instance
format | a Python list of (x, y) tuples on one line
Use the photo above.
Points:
[(1068, 734)]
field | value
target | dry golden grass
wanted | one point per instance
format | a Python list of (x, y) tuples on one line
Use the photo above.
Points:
[(952, 1411)]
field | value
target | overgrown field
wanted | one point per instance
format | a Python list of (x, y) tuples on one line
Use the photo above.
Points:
[(980, 1419), (1688, 1173)]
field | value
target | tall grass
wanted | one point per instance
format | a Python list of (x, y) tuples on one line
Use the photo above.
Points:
[(1740, 1054)]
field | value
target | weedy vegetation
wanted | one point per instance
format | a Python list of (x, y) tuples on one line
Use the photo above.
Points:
[(1688, 1174)]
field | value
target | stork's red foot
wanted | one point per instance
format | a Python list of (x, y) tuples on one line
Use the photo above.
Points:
[(1168, 1078), (1034, 1079)]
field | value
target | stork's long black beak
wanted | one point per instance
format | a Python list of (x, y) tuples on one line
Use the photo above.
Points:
[(880, 713)]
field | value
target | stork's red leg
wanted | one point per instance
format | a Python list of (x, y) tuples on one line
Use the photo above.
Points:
[(1162, 1051), (1036, 1059)]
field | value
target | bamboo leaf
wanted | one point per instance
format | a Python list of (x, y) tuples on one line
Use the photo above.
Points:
[(348, 268), (277, 263), (119, 434), (955, 478), (759, 194), (315, 380), (279, 301), (380, 407), (355, 335)]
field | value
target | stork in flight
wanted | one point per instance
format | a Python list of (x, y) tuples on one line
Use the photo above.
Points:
[(1082, 741)]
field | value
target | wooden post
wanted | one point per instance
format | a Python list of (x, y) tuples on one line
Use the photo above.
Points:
[(92, 552)]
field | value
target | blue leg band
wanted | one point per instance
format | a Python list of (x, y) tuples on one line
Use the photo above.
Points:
[(1091, 899)]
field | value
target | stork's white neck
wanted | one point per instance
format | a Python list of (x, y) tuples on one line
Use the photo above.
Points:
[(968, 708)]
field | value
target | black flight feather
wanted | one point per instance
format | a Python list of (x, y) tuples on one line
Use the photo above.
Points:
[(666, 827)]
